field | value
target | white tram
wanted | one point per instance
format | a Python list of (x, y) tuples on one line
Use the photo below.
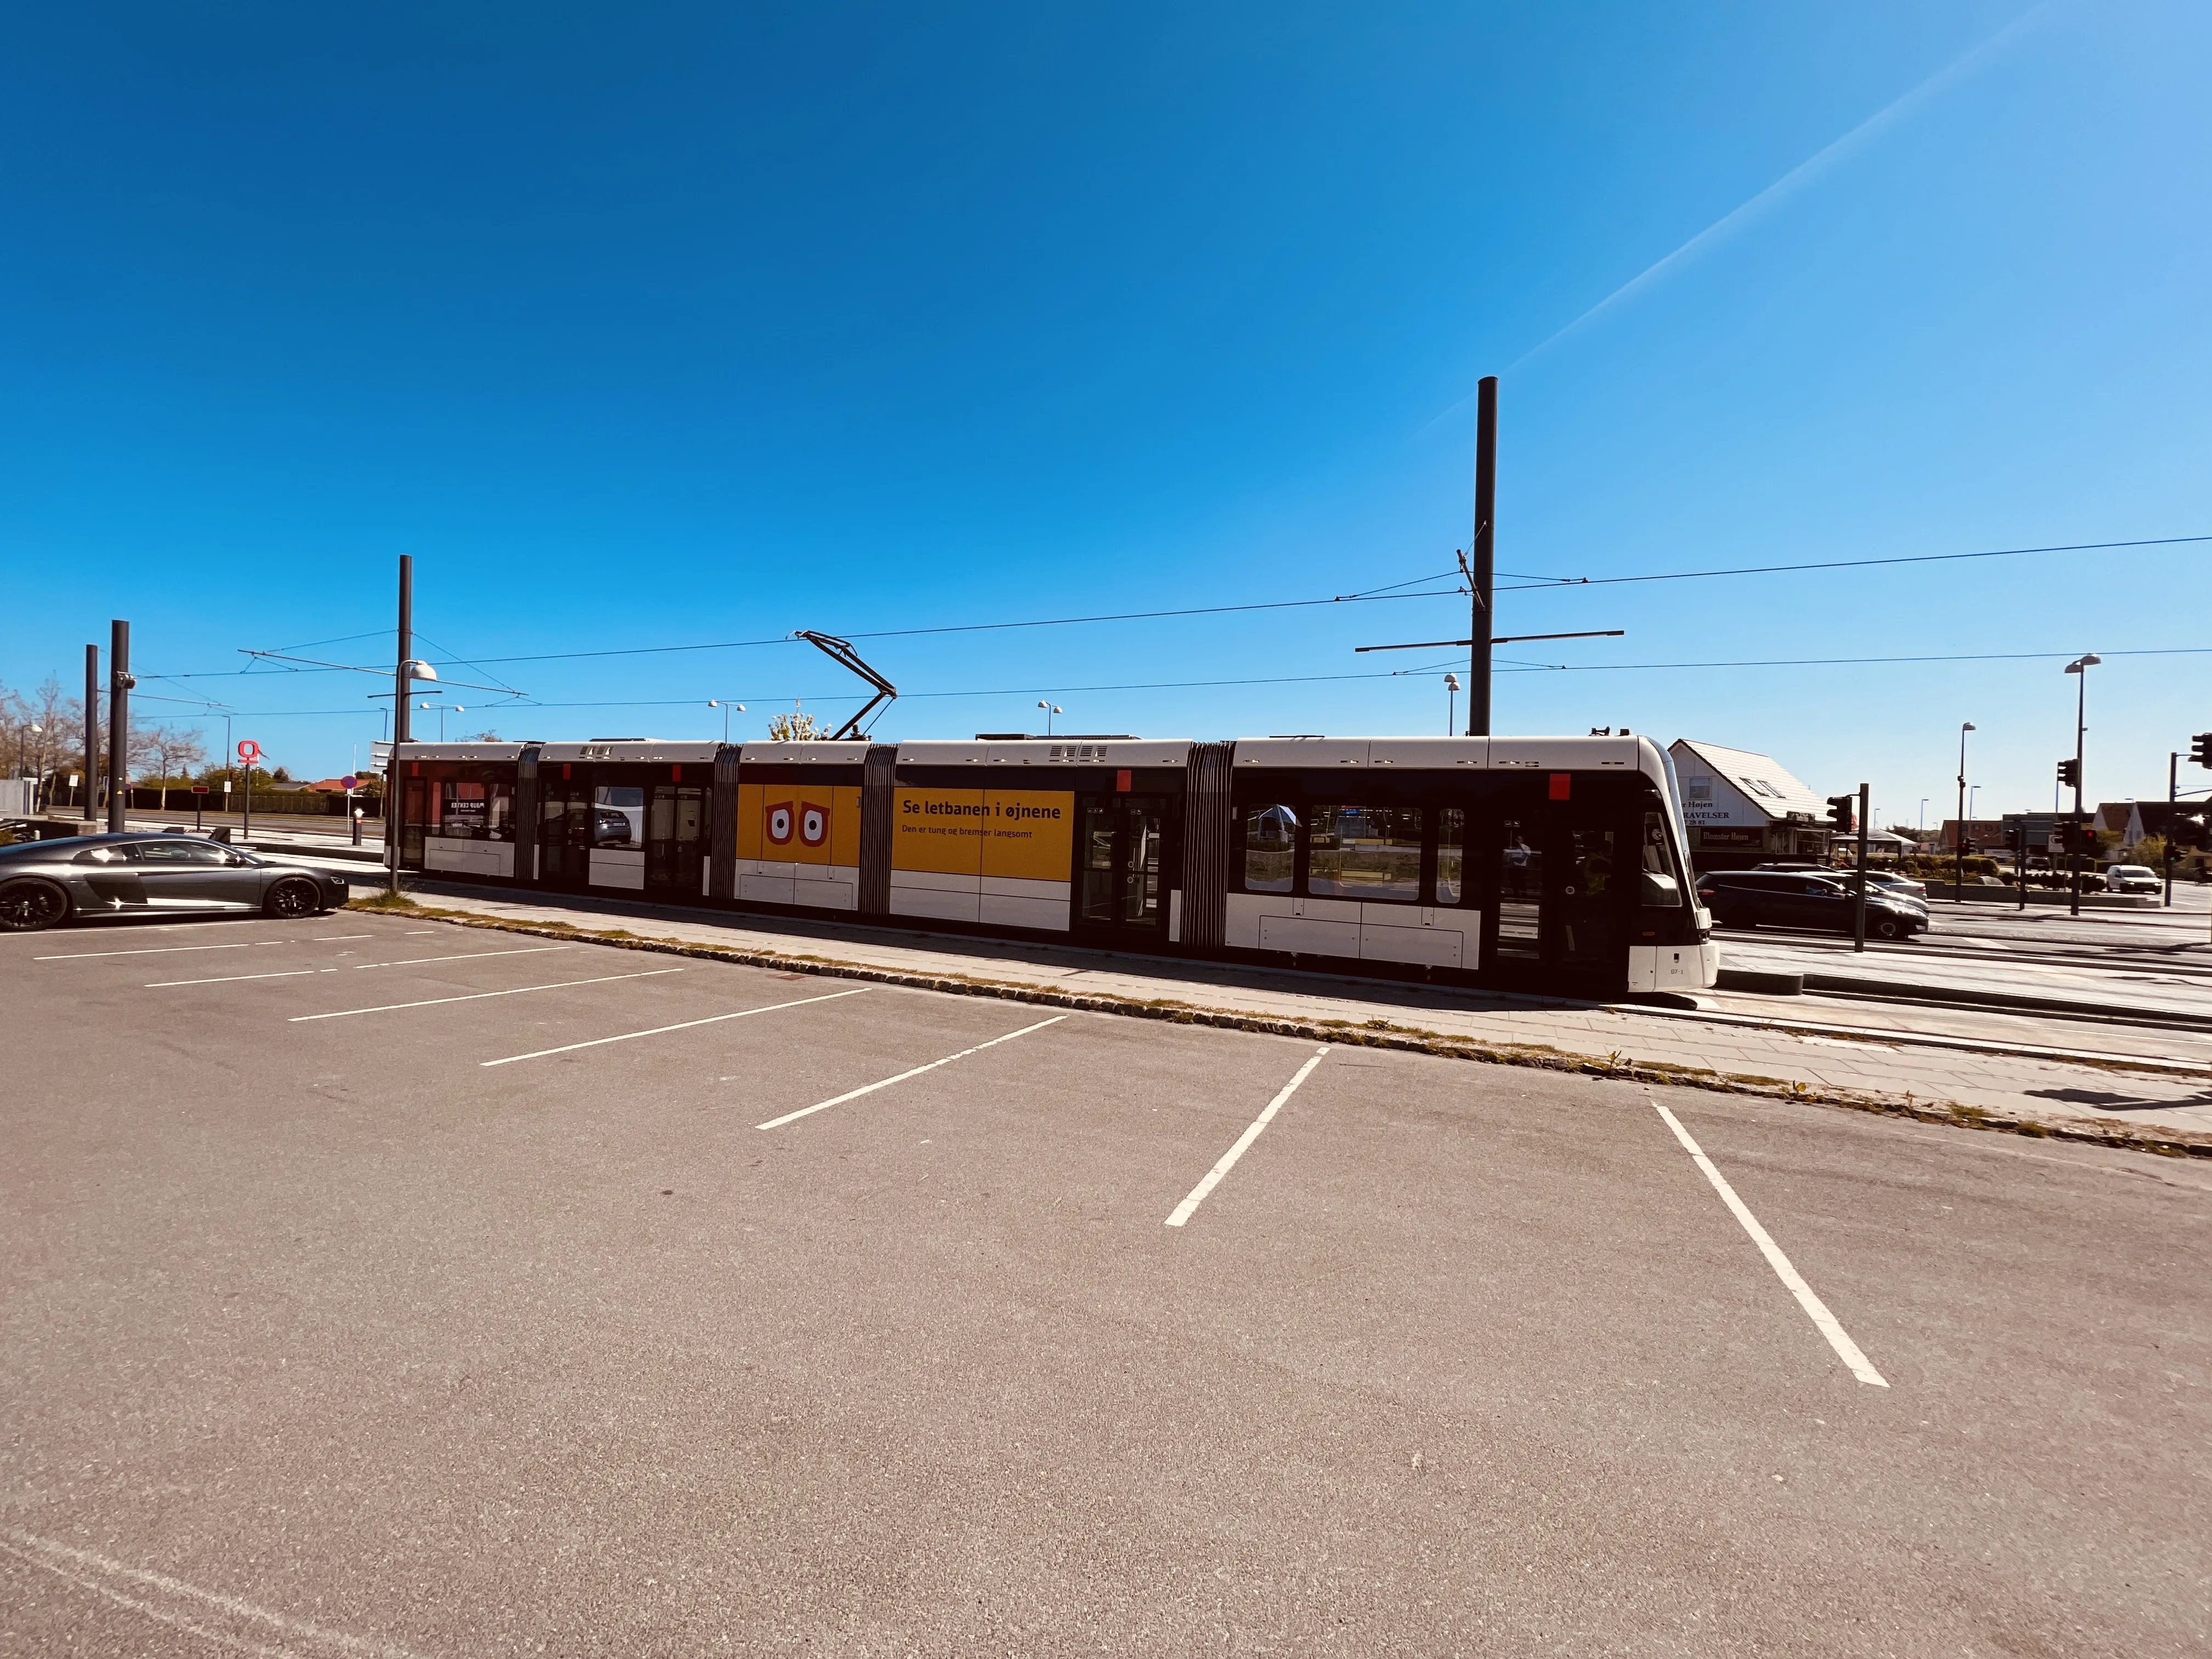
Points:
[(1554, 864)]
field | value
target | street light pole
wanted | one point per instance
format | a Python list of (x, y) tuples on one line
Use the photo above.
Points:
[(1959, 839), (402, 727), (2080, 668)]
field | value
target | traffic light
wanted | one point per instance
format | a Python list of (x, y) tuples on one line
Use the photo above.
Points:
[(1840, 815), (2081, 836), (2069, 774), (2200, 749)]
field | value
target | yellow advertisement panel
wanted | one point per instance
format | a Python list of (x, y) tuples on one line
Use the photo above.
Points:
[(1025, 833), (798, 823)]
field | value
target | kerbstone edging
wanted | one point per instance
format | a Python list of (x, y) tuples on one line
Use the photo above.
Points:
[(1375, 1034)]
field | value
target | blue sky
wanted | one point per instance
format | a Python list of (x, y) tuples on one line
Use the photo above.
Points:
[(660, 326)]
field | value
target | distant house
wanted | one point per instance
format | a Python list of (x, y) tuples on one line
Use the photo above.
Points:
[(326, 786), (1743, 809)]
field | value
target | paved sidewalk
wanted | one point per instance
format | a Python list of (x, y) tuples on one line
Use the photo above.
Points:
[(2107, 1081)]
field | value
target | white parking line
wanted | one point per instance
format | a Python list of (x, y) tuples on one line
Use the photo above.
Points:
[(1817, 1311), (479, 996), (168, 950), (337, 939), (356, 967), (467, 955), (685, 1025), (869, 1088), (233, 978), (1184, 1211)]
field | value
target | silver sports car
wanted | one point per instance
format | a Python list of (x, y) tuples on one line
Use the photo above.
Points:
[(90, 877)]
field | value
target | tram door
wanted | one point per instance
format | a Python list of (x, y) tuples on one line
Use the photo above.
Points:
[(1118, 877), (1556, 880), (414, 816), (675, 837), (564, 830)]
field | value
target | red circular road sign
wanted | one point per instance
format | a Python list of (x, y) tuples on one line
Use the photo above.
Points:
[(248, 751), (350, 782)]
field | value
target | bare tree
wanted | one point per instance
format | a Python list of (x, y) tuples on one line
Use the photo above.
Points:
[(798, 726), (176, 751)]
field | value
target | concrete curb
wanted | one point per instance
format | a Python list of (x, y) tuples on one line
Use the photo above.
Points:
[(1883, 991), (1374, 1034)]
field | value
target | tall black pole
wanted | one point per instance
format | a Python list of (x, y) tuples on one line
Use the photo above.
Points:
[(2081, 726), (2172, 795), (118, 725), (1485, 625), (90, 812), (401, 687), (1858, 897)]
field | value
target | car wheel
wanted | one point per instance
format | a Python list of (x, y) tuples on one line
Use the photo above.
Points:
[(28, 906), (293, 899), (1891, 927)]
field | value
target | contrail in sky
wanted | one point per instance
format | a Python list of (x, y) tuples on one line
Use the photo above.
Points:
[(1857, 138)]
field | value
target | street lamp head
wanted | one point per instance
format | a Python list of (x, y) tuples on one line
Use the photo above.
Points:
[(2083, 663), (1044, 705), (1451, 682), (1967, 726), (417, 670)]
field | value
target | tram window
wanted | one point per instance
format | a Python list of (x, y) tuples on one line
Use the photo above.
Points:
[(1364, 853), (617, 816), (1520, 890), (1593, 873), (1451, 837), (1663, 888), (467, 810), (1271, 839)]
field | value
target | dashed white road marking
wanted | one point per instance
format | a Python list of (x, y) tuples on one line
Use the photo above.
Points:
[(233, 978), (467, 955), (1817, 1311), (356, 967), (869, 1088), (168, 950), (104, 1576), (682, 1025), (479, 996), (1184, 1211)]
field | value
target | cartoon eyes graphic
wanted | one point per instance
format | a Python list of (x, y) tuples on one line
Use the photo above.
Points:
[(811, 822)]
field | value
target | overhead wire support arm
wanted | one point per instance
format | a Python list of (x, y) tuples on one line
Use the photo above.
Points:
[(1502, 638), (842, 651)]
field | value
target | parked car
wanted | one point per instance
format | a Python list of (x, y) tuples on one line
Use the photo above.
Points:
[(92, 878), (1796, 898), (1888, 880), (2132, 878)]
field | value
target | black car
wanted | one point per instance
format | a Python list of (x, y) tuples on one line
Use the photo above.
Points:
[(1792, 898), (94, 876)]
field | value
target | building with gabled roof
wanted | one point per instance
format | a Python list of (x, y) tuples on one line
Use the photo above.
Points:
[(1743, 809)]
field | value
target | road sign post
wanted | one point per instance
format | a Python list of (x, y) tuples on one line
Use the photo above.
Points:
[(199, 797), (248, 751)]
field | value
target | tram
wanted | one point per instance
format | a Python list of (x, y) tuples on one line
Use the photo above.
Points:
[(1556, 864)]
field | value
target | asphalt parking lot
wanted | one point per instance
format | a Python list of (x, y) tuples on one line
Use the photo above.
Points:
[(375, 1286)]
